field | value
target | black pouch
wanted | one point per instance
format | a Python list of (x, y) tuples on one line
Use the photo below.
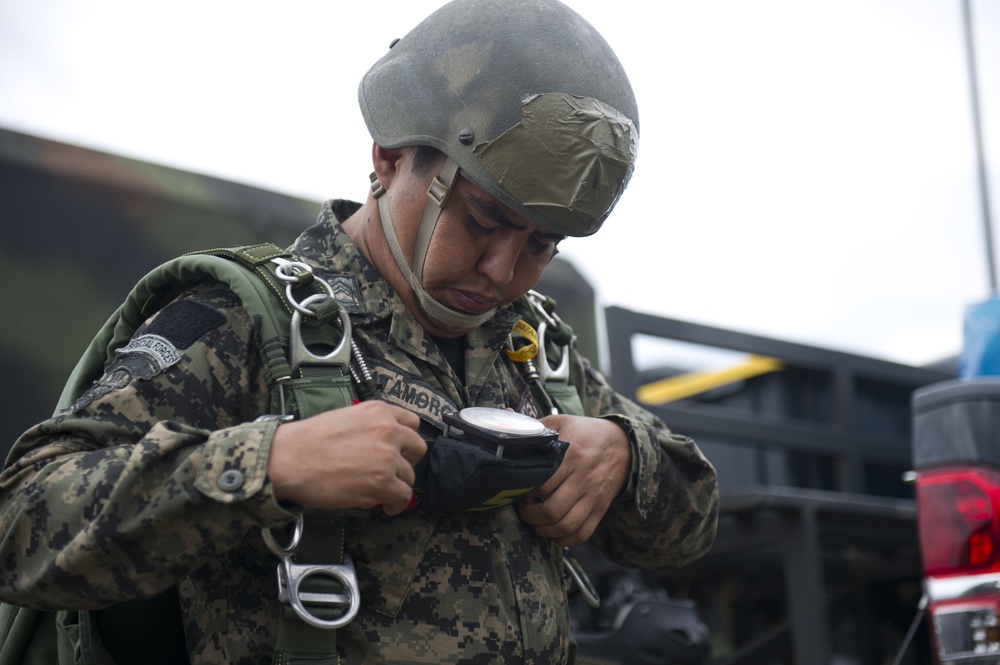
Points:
[(474, 469)]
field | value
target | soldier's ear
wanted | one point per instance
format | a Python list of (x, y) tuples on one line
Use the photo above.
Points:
[(387, 164)]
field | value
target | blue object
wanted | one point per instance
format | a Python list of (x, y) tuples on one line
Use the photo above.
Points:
[(981, 350)]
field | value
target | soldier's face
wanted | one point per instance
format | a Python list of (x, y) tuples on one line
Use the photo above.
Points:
[(482, 254)]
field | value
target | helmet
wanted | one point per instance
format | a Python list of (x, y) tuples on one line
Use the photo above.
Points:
[(524, 96)]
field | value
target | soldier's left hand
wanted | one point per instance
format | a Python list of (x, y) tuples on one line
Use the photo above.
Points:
[(568, 507)]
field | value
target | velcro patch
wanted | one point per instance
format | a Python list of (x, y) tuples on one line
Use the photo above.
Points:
[(182, 322)]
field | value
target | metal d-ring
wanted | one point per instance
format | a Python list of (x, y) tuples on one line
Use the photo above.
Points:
[(291, 273), (286, 550)]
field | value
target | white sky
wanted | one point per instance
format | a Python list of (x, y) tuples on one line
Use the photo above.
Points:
[(806, 168)]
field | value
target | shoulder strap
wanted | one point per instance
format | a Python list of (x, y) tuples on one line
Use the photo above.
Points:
[(256, 288), (254, 274), (294, 307), (547, 367)]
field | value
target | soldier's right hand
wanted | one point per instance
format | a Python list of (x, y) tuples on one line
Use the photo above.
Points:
[(360, 456)]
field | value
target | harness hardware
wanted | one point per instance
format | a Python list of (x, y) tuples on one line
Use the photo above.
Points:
[(291, 574), (300, 353), (290, 577)]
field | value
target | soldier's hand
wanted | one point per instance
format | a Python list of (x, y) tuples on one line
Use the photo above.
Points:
[(568, 507), (360, 456)]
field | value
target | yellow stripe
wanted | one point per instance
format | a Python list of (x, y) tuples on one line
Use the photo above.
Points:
[(694, 383)]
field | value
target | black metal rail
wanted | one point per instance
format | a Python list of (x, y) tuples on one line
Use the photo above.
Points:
[(810, 461)]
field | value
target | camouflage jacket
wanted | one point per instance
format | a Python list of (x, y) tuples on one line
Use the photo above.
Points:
[(118, 496)]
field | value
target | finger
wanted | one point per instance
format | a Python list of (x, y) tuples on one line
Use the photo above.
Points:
[(399, 496), (393, 508), (406, 473), (403, 417), (413, 448), (555, 422), (552, 485), (579, 536), (575, 527), (396, 507), (547, 510)]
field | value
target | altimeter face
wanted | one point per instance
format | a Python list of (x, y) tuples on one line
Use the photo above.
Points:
[(499, 427)]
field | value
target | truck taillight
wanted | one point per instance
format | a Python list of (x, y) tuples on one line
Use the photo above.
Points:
[(958, 512), (958, 516)]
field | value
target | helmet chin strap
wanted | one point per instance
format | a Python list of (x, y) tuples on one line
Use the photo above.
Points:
[(437, 197)]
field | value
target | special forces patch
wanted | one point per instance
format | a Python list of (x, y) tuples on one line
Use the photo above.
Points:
[(142, 358), (159, 351)]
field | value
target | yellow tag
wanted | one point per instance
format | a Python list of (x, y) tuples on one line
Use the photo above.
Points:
[(525, 352), (503, 498)]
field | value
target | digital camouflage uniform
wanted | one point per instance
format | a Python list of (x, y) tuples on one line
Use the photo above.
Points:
[(119, 496)]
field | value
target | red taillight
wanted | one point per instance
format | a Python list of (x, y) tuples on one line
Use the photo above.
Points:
[(958, 513)]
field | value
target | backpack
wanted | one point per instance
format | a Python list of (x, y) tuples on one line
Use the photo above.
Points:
[(264, 277), (260, 277)]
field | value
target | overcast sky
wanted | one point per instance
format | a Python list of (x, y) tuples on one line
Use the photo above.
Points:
[(806, 169)]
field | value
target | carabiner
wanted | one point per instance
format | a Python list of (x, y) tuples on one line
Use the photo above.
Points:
[(545, 371)]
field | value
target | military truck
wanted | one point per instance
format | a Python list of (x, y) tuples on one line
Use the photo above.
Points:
[(816, 559)]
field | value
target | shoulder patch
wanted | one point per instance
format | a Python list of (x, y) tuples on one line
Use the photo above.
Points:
[(182, 322), (142, 358), (345, 289), (158, 350)]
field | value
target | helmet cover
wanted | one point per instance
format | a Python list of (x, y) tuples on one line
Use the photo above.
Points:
[(524, 95)]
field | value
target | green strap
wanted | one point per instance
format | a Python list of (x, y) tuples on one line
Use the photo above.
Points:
[(314, 390), (322, 544), (259, 259), (565, 396)]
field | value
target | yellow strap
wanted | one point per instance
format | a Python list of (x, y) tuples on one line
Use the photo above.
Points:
[(528, 351)]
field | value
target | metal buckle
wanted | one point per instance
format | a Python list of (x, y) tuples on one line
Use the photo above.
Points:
[(377, 188), (300, 353), (291, 575), (298, 273), (282, 551)]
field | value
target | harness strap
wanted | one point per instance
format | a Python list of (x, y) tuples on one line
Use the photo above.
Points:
[(322, 544), (316, 579), (168, 280), (258, 275)]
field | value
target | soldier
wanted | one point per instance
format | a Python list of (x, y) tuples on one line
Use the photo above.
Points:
[(499, 128)]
